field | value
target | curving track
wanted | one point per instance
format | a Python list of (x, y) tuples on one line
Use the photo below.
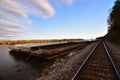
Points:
[(97, 66)]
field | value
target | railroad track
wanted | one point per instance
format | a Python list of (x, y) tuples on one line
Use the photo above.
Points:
[(97, 66)]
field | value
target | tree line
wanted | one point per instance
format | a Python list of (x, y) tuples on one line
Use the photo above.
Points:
[(13, 42), (114, 23)]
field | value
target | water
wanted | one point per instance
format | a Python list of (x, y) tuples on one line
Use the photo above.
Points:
[(14, 66)]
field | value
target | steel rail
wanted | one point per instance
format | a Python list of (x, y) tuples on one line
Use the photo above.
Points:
[(110, 58), (84, 62)]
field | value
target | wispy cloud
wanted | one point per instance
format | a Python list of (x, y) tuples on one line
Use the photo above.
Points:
[(44, 8), (12, 8), (40, 8), (8, 33), (15, 12), (8, 24), (68, 1)]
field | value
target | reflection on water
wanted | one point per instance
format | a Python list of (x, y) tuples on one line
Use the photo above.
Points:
[(14, 66)]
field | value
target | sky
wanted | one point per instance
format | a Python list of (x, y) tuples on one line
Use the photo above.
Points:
[(53, 19)]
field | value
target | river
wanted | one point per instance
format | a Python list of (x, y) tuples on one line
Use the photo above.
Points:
[(14, 66)]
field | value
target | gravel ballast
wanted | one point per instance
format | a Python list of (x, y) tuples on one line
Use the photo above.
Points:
[(114, 50), (65, 68)]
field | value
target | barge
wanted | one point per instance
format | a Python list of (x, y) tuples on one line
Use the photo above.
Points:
[(46, 51)]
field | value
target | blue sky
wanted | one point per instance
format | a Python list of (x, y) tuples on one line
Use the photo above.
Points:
[(54, 19)]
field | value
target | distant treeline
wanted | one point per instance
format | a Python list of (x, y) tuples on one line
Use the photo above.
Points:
[(13, 42)]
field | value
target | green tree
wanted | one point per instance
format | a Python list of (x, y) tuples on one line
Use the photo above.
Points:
[(114, 22)]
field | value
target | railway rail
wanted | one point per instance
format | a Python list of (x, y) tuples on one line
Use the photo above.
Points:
[(98, 65)]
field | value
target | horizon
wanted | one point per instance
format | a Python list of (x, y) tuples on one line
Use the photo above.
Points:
[(47, 39), (53, 19)]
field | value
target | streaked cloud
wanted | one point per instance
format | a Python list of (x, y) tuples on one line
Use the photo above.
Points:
[(13, 13), (8, 24), (68, 1), (44, 8), (8, 33), (7, 36), (40, 8)]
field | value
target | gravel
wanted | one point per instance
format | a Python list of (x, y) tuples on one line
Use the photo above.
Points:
[(65, 68), (114, 50)]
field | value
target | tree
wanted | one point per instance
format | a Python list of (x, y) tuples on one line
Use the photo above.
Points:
[(114, 21)]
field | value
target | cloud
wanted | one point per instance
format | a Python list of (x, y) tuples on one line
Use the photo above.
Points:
[(2, 31), (12, 8), (23, 8), (13, 13), (7, 36), (68, 1), (44, 8), (9, 28), (7, 24), (40, 8), (8, 33)]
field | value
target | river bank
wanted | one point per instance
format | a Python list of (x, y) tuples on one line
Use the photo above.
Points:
[(65, 68)]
